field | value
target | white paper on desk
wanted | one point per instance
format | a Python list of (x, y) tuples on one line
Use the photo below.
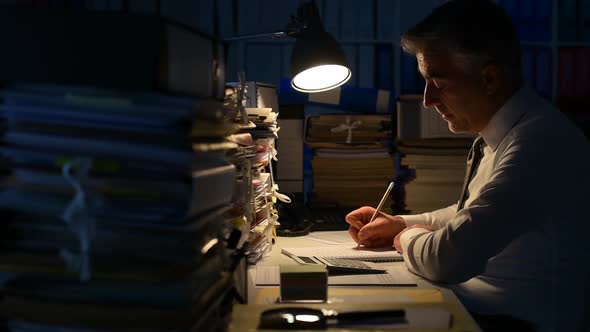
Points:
[(331, 237), (397, 275)]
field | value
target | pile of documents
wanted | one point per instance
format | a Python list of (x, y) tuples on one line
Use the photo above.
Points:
[(437, 171), (352, 161), (116, 210), (432, 157), (257, 116)]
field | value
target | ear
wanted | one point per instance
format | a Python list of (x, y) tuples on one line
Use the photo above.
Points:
[(491, 78)]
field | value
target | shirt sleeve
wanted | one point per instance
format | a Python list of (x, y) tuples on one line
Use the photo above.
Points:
[(460, 249), (437, 219)]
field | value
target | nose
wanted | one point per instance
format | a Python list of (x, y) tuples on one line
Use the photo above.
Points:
[(431, 95)]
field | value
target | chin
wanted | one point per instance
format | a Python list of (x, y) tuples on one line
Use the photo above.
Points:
[(457, 130)]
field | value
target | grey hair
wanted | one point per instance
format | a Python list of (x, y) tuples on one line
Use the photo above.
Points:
[(468, 61), (475, 32)]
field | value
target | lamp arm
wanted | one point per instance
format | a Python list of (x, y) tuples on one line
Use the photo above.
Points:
[(278, 34), (308, 17)]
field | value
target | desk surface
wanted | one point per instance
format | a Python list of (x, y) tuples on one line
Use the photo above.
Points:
[(425, 294)]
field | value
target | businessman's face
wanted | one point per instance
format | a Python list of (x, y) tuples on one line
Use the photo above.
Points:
[(457, 94)]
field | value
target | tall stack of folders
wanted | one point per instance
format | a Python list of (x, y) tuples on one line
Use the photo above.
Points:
[(116, 210), (256, 138), (352, 162), (432, 157)]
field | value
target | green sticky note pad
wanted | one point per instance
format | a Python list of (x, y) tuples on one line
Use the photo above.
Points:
[(304, 282)]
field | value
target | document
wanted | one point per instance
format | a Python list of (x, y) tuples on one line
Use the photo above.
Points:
[(347, 251), (397, 275), (331, 237)]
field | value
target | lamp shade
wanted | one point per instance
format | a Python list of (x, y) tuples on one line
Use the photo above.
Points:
[(318, 62)]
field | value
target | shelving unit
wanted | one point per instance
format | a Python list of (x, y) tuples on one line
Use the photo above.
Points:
[(371, 41), (567, 33), (376, 27), (368, 30)]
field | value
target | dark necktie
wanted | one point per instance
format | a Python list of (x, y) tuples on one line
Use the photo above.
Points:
[(473, 160)]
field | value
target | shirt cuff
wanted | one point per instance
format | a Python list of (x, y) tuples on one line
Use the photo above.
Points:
[(408, 235), (414, 219)]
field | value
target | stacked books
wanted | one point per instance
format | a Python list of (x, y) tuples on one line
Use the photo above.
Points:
[(117, 208), (352, 162)]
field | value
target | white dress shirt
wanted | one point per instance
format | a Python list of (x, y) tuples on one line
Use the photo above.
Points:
[(520, 246)]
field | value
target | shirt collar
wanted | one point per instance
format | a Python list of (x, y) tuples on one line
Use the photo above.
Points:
[(506, 117)]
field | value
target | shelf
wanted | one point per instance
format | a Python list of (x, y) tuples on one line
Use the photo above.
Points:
[(574, 44)]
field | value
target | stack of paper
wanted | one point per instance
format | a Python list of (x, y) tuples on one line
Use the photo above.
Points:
[(117, 208), (437, 172), (330, 130), (352, 162), (256, 139)]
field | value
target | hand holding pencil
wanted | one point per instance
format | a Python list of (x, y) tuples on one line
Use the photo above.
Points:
[(380, 206), (372, 228)]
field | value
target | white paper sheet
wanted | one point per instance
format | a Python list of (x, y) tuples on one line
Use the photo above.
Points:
[(331, 237), (397, 275)]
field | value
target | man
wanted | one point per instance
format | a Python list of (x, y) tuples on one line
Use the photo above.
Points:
[(515, 246)]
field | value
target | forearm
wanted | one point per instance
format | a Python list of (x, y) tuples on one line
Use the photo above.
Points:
[(461, 249), (437, 256), (437, 219)]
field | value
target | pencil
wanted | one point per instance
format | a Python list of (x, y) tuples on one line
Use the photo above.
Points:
[(380, 206)]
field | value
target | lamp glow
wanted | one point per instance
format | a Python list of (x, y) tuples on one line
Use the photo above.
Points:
[(321, 78), (318, 62), (307, 318)]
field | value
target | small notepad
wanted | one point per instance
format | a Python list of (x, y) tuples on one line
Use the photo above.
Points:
[(347, 251)]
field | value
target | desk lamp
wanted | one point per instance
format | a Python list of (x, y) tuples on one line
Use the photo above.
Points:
[(318, 62)]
